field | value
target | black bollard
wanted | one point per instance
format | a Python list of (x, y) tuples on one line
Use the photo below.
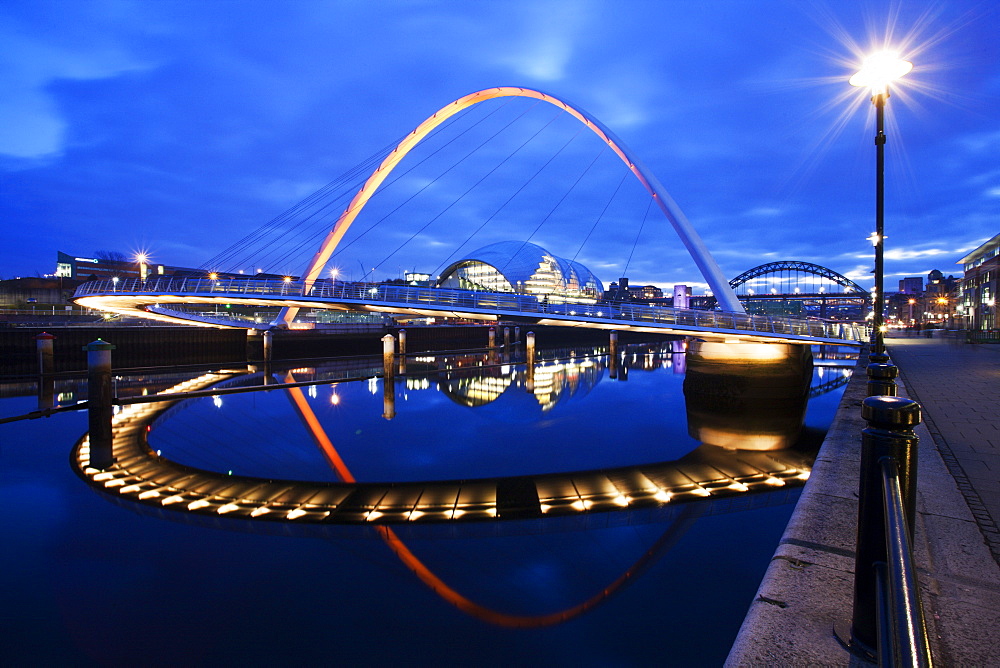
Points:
[(889, 434), (99, 398), (881, 379)]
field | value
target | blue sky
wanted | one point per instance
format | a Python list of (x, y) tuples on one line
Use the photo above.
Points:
[(178, 127)]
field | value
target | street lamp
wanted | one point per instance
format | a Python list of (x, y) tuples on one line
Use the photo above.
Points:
[(877, 72), (142, 259)]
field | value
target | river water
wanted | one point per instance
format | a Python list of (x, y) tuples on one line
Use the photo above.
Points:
[(91, 576)]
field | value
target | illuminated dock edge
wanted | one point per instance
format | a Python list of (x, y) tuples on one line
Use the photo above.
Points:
[(140, 475)]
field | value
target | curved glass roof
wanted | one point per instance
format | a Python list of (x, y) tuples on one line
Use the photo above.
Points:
[(527, 268)]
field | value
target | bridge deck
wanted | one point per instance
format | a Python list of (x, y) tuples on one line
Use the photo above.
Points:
[(152, 298)]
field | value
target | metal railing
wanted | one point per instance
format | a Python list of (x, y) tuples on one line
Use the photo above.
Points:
[(474, 301), (888, 624)]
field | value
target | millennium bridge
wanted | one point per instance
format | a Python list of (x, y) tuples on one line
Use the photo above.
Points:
[(153, 299)]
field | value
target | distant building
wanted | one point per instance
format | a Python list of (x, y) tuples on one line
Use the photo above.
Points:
[(22, 292), (115, 264), (979, 286), (911, 286), (648, 292)]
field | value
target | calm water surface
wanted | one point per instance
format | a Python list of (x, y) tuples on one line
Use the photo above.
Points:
[(88, 579)]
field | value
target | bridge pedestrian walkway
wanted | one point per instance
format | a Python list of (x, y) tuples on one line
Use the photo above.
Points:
[(803, 607)]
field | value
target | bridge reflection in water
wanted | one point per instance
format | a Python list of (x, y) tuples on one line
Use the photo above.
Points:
[(708, 480)]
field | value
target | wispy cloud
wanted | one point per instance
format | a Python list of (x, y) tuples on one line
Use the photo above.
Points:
[(31, 123)]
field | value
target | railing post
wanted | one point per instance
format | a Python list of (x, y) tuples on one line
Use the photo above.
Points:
[(889, 434), (99, 398)]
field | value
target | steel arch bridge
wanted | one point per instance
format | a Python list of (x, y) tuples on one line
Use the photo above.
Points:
[(795, 268), (795, 288)]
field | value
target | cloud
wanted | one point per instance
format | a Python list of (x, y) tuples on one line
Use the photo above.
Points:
[(983, 142), (911, 254), (31, 125), (764, 211), (548, 40)]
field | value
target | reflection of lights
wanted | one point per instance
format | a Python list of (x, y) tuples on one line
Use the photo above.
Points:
[(335, 399), (217, 401)]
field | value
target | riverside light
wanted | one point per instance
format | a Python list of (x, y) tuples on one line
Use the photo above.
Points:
[(876, 73)]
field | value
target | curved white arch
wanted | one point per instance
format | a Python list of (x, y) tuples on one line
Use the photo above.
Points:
[(696, 247)]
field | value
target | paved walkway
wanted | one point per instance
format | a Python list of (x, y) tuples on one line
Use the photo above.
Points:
[(958, 386), (803, 607)]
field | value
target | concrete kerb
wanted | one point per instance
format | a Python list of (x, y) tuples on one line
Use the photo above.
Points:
[(805, 599)]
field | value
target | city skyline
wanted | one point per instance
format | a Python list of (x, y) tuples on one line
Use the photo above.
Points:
[(175, 128)]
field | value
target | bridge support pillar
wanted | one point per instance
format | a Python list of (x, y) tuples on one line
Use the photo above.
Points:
[(493, 338), (517, 335), (268, 339), (388, 377), (46, 365), (99, 398), (506, 338), (43, 344), (613, 355), (402, 342)]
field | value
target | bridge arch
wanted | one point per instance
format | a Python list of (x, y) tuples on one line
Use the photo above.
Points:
[(694, 244), (785, 266)]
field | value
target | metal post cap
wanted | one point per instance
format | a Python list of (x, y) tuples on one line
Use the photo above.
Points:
[(44, 336), (896, 411), (878, 358), (882, 371), (98, 345)]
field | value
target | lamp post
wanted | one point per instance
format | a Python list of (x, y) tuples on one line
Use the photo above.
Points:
[(877, 72)]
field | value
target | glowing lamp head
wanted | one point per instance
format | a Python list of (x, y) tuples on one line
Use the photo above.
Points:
[(879, 70), (141, 258), (213, 276)]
